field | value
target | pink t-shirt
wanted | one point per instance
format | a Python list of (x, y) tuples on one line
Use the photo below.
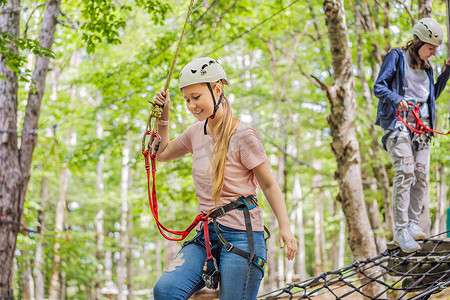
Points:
[(245, 152)]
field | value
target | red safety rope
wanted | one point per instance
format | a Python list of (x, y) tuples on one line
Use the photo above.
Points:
[(420, 127), (150, 156), (150, 151)]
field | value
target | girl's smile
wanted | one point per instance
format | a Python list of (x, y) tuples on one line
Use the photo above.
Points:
[(199, 101)]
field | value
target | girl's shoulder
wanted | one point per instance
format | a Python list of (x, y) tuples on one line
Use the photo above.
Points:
[(244, 131), (243, 128), (395, 54)]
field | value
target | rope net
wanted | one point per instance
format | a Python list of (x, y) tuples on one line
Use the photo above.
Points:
[(392, 274)]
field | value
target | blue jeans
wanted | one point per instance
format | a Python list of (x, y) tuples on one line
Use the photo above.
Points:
[(238, 279)]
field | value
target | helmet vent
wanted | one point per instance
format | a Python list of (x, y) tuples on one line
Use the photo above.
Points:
[(202, 70)]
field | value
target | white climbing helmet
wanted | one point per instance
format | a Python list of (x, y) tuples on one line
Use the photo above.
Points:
[(428, 31), (202, 69)]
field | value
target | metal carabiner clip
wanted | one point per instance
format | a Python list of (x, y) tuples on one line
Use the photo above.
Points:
[(212, 281)]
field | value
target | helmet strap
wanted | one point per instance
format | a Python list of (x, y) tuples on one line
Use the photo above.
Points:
[(216, 106)]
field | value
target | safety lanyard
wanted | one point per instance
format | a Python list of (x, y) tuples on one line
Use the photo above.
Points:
[(420, 126), (150, 150)]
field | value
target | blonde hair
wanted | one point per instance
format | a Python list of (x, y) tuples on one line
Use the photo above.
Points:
[(221, 140), (413, 47)]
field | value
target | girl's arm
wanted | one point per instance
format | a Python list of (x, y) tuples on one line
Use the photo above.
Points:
[(442, 79), (274, 195), (168, 150), (381, 88)]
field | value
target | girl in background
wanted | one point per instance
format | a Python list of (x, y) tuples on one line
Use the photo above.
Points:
[(406, 76)]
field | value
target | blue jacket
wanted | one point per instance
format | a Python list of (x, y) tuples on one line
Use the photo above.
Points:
[(389, 88)]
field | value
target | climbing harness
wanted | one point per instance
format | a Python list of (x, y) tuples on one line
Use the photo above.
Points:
[(244, 204), (420, 127)]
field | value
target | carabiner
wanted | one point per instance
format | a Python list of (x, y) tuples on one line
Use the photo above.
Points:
[(414, 105)]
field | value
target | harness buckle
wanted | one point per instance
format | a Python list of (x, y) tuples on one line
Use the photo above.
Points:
[(228, 246), (219, 212), (251, 199), (260, 262)]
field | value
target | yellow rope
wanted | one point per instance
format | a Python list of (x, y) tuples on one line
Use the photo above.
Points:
[(157, 110)]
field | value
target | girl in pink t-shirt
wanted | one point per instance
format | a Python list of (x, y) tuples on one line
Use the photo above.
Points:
[(229, 162)]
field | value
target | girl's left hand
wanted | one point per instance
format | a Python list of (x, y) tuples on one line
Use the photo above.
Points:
[(444, 65), (286, 238)]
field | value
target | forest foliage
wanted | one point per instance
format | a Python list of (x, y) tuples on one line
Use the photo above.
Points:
[(108, 60)]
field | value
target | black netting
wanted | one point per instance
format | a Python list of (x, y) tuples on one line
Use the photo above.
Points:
[(422, 273)]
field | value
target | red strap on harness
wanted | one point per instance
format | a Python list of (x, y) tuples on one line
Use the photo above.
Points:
[(420, 127), (209, 255), (153, 202)]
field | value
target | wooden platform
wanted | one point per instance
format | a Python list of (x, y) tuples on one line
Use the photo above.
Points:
[(433, 260), (431, 245)]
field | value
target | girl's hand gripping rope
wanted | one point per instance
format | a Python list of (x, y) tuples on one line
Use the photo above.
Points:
[(162, 98), (402, 106), (411, 103)]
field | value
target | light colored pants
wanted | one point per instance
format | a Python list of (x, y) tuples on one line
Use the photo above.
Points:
[(409, 158)]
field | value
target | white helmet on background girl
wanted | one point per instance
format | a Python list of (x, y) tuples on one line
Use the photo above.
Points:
[(428, 31), (203, 69)]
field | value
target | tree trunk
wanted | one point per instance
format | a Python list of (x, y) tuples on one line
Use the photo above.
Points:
[(14, 164), (281, 260), (319, 236), (57, 287), (334, 250), (158, 257), (345, 146), (375, 222), (100, 187), (425, 8), (39, 278), (379, 170), (342, 243), (318, 262), (130, 260), (121, 269), (55, 284), (130, 269), (12, 181), (109, 284), (271, 278), (441, 201), (26, 277), (301, 251)]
